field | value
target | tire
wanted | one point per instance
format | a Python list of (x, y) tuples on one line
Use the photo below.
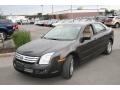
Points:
[(108, 48), (68, 67), (4, 35), (117, 25)]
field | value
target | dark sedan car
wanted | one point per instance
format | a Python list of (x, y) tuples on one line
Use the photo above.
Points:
[(7, 28), (63, 47)]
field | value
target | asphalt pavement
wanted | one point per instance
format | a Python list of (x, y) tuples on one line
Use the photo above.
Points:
[(102, 70)]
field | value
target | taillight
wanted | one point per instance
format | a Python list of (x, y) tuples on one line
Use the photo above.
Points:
[(13, 27), (109, 20)]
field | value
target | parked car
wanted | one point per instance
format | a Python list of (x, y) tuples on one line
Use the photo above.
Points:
[(45, 22), (100, 19), (7, 28), (113, 21), (58, 23), (22, 22), (40, 22), (63, 47), (51, 21), (25, 22), (63, 22), (32, 21), (36, 22), (19, 22)]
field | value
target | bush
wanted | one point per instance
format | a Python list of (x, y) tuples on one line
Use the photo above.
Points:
[(21, 37)]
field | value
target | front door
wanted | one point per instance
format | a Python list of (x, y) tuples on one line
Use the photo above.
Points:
[(87, 48)]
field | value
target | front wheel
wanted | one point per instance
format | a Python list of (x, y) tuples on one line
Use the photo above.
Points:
[(108, 48), (4, 35), (68, 67)]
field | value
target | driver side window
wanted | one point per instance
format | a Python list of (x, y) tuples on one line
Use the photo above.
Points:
[(88, 31)]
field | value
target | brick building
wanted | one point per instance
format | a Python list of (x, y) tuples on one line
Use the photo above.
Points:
[(72, 14)]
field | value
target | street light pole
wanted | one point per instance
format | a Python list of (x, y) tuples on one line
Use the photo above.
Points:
[(71, 11), (42, 9), (52, 11), (98, 9)]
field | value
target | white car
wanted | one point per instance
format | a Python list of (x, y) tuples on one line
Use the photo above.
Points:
[(112, 21), (51, 22), (63, 22), (25, 21), (39, 22)]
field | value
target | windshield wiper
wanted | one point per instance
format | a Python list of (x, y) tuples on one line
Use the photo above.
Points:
[(52, 38), (55, 39)]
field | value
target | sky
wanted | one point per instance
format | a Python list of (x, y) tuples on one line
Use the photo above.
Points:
[(34, 9)]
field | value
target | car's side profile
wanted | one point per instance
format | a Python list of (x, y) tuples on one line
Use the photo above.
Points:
[(7, 28), (112, 21), (63, 47)]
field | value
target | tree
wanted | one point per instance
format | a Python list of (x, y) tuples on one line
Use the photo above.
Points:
[(61, 16), (109, 12), (112, 12), (1, 15)]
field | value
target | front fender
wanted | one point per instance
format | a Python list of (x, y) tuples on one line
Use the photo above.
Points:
[(3, 29)]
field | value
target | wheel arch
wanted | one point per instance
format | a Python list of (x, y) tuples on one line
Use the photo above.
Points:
[(3, 30), (76, 57), (111, 39)]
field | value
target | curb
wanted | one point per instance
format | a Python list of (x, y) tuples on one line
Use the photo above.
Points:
[(7, 54)]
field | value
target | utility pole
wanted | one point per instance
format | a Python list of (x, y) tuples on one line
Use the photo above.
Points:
[(52, 11), (71, 11), (98, 9), (42, 9)]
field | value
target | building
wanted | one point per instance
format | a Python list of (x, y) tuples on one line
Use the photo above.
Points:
[(72, 14)]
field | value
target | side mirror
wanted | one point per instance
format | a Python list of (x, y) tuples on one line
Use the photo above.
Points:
[(84, 38), (42, 35)]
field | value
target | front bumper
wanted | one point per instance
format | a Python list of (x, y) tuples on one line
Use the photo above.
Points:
[(10, 32), (37, 69)]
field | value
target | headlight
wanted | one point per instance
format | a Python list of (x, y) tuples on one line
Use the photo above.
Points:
[(45, 58)]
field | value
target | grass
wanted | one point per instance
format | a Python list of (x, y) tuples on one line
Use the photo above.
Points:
[(21, 37)]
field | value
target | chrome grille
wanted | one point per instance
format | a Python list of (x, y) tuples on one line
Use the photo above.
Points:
[(26, 58)]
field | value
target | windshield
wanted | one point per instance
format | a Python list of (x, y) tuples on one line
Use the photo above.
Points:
[(5, 22), (63, 32)]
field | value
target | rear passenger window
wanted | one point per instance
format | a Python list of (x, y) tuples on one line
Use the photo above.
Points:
[(98, 27)]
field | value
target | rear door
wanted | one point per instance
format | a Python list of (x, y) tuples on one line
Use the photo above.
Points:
[(101, 36)]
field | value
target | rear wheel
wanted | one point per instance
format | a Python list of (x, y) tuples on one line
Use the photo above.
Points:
[(117, 25), (68, 67), (108, 48)]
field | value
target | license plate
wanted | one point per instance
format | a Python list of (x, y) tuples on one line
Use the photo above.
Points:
[(28, 70), (20, 63)]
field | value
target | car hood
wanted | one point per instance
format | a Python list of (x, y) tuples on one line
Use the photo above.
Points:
[(42, 46)]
